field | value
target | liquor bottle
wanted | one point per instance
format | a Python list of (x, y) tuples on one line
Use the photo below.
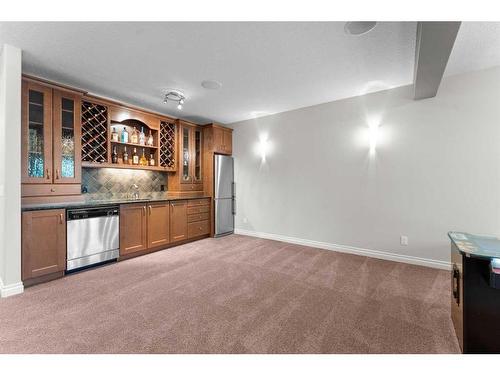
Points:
[(114, 156), (151, 160), (143, 160), (125, 155), (114, 135), (135, 157), (150, 140), (142, 137), (133, 137), (125, 135)]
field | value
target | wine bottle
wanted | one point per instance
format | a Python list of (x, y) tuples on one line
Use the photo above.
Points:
[(142, 137), (125, 155), (114, 135), (125, 135), (135, 157), (143, 160), (133, 137), (114, 156), (150, 139), (151, 160)]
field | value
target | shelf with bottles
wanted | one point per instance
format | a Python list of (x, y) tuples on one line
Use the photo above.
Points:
[(134, 155), (133, 133)]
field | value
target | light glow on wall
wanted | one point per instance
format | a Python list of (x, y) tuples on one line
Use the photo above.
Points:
[(373, 134), (263, 147)]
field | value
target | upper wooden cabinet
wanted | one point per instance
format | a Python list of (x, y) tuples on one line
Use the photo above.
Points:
[(189, 176), (51, 133), (43, 243), (221, 139)]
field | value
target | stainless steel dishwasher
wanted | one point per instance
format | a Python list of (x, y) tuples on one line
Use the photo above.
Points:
[(92, 236)]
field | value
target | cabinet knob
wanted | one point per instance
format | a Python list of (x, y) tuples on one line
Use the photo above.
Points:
[(48, 174), (57, 174), (52, 190)]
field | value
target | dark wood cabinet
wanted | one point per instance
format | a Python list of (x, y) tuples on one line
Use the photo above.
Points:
[(158, 224), (475, 304), (178, 221), (43, 243), (51, 146), (133, 228)]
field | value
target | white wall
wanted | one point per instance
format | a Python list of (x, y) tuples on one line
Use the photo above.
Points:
[(436, 169), (10, 171)]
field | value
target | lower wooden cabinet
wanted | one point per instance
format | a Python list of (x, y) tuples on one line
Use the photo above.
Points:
[(133, 228), (158, 224), (178, 221), (43, 243)]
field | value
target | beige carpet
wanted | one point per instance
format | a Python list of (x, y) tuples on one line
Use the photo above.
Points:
[(235, 295)]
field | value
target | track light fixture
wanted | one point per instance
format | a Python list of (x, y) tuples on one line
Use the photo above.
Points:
[(175, 96)]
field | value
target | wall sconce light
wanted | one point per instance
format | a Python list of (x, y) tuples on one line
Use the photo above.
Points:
[(373, 134), (263, 147)]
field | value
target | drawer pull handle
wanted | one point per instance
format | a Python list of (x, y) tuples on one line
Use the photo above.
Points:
[(57, 174), (60, 218), (48, 174)]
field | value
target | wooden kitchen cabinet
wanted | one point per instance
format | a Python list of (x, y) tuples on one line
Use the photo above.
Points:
[(43, 243), (133, 228), (158, 224), (189, 175), (51, 134), (222, 139), (178, 221)]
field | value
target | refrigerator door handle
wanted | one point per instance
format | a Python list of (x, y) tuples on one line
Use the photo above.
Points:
[(233, 189), (233, 201)]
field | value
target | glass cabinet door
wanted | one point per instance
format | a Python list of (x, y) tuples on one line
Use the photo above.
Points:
[(197, 155), (37, 133), (67, 137), (186, 162)]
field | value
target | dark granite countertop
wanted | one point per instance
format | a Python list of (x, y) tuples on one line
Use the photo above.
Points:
[(87, 203), (478, 246)]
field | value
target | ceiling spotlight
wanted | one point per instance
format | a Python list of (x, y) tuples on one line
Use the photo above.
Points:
[(359, 27), (175, 96)]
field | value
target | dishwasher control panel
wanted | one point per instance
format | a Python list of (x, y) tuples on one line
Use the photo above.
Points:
[(88, 213)]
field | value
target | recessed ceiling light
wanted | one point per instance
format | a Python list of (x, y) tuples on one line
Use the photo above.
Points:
[(211, 85), (359, 27)]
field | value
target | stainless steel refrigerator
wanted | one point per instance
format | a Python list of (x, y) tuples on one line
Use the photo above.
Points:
[(224, 195)]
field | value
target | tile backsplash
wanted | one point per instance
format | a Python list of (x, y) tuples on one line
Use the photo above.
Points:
[(117, 183)]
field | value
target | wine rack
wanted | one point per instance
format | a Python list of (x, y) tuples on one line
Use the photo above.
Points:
[(167, 145), (94, 133)]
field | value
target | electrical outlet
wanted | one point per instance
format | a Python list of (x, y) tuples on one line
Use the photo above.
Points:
[(404, 240)]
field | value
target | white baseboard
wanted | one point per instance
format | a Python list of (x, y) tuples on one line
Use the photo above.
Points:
[(11, 289), (350, 249)]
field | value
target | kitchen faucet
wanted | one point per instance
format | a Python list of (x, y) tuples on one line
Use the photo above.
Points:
[(135, 194)]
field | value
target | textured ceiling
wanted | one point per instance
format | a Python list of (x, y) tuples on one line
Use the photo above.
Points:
[(264, 68)]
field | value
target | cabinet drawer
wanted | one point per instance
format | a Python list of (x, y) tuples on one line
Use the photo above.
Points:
[(197, 217), (191, 187), (198, 202), (198, 209), (198, 229), (37, 190)]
